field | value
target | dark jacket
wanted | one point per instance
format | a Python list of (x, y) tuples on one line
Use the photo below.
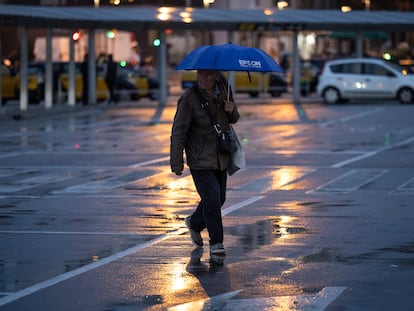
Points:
[(192, 131)]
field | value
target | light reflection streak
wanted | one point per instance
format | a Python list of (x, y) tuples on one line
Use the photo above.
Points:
[(281, 178), (181, 188), (178, 282)]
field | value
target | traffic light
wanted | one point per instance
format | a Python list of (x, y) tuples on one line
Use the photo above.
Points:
[(110, 34), (76, 36), (156, 42)]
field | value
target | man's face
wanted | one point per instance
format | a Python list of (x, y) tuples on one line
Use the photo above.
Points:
[(206, 79)]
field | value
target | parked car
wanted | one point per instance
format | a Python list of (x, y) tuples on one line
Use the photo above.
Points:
[(8, 84), (63, 82), (252, 83), (35, 83), (144, 84), (365, 78), (130, 84)]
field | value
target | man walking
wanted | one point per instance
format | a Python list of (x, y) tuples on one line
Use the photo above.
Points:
[(192, 132)]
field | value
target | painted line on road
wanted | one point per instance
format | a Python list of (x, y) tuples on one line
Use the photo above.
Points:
[(350, 181), (226, 302), (68, 275), (149, 162), (353, 117), (67, 232), (372, 153)]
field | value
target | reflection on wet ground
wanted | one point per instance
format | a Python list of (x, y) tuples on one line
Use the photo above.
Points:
[(76, 190), (392, 255), (264, 232)]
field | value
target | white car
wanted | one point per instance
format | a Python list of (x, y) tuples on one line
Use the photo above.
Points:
[(365, 78)]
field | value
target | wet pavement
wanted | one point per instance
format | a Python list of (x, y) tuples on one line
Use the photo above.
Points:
[(91, 218)]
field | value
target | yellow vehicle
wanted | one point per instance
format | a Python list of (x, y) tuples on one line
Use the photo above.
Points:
[(101, 88), (8, 84), (11, 84), (145, 86), (252, 83), (130, 85)]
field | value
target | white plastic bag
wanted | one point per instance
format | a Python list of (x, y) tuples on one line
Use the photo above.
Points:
[(238, 157)]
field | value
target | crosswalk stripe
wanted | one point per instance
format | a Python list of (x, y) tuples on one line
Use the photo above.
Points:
[(225, 302), (350, 181)]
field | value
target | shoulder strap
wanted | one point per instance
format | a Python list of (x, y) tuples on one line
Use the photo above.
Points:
[(205, 106)]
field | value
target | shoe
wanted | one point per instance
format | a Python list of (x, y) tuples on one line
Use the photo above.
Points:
[(195, 264), (195, 236), (217, 259), (217, 249)]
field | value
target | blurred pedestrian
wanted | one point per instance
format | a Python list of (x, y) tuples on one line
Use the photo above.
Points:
[(110, 78), (192, 132)]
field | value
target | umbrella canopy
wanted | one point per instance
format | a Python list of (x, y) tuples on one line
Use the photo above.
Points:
[(229, 57)]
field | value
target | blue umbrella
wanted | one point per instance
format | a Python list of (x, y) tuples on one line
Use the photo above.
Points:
[(229, 57)]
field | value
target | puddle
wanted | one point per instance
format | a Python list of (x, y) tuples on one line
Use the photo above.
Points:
[(324, 205), (264, 232), (325, 255), (141, 303)]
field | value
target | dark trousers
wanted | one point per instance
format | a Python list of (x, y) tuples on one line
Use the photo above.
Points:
[(211, 186), (111, 88)]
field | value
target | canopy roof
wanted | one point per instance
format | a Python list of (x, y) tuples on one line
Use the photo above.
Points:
[(146, 18)]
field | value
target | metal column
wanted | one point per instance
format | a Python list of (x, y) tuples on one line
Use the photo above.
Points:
[(91, 67), (162, 76), (296, 69), (24, 96), (71, 73), (163, 69), (49, 71)]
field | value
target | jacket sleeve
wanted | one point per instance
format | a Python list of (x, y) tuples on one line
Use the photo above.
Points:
[(181, 125)]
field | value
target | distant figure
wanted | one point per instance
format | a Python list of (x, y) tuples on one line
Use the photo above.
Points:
[(85, 80), (110, 78)]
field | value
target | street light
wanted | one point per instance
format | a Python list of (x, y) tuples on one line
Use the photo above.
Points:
[(282, 4), (367, 4), (76, 36), (207, 3)]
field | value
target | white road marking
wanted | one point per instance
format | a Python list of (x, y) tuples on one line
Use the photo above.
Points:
[(224, 302), (371, 153), (405, 188), (110, 182), (149, 162), (350, 181), (68, 275), (206, 304), (349, 118), (66, 232)]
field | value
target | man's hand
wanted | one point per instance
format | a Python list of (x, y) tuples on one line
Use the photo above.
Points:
[(228, 106), (177, 170)]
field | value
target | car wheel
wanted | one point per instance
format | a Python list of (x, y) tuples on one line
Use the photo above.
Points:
[(405, 95), (331, 95), (275, 94), (254, 94)]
